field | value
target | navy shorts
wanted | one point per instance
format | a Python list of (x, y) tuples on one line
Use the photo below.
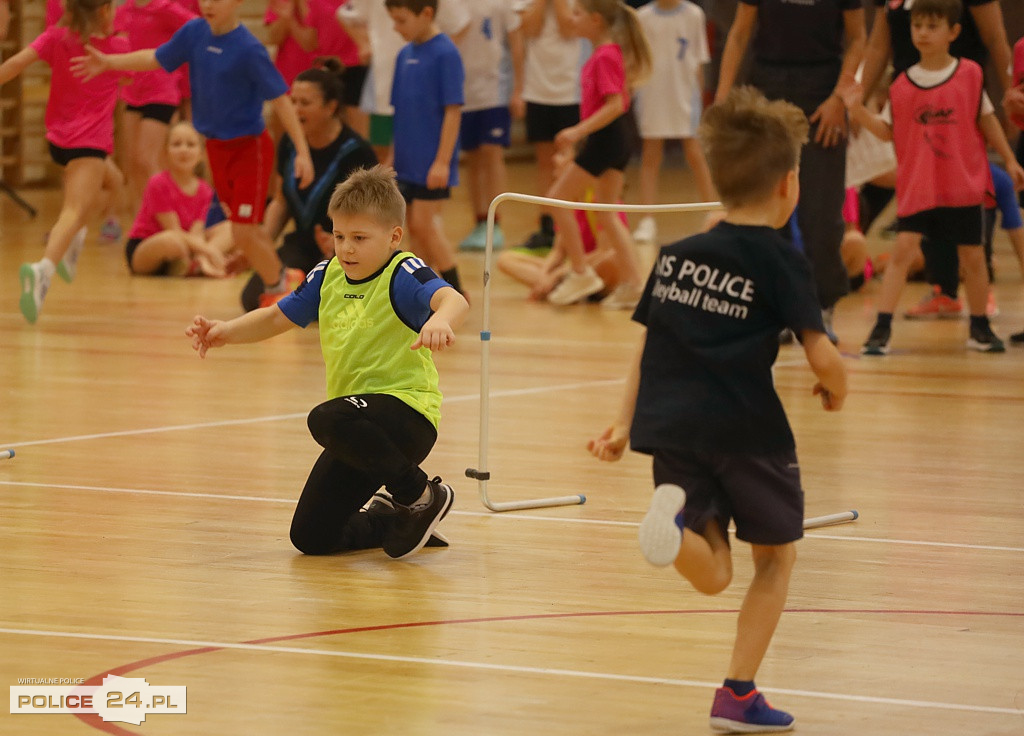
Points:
[(485, 127), (958, 225), (543, 122), (761, 493), (412, 191)]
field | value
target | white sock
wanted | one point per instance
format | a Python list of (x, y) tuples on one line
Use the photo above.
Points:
[(424, 498), (47, 268), (281, 285)]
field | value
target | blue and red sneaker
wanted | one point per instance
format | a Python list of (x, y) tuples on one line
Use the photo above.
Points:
[(749, 714)]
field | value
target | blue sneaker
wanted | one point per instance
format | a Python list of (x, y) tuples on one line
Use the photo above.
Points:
[(477, 238), (749, 714), (661, 531)]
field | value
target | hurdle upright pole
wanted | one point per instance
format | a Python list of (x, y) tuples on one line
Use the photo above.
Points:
[(481, 473)]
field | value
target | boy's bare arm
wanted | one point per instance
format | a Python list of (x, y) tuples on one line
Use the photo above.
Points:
[(612, 443), (254, 326), (827, 364), (96, 62), (438, 175), (993, 132), (853, 98), (438, 332), (285, 111)]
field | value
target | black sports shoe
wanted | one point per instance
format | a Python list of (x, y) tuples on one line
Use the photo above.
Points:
[(413, 524), (878, 341), (539, 240), (382, 507), (1017, 338), (984, 340)]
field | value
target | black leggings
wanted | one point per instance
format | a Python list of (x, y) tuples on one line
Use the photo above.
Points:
[(369, 441)]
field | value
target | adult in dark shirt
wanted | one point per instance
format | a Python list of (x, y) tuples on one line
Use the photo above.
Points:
[(802, 51), (336, 150), (982, 33)]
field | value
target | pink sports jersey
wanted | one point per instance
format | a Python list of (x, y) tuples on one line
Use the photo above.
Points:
[(332, 39), (1018, 75), (163, 195), (54, 10), (940, 150), (78, 114), (290, 58), (604, 74), (147, 28)]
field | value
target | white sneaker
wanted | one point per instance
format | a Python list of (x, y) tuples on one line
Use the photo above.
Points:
[(646, 232), (576, 286), (34, 283), (624, 296), (68, 265), (661, 534)]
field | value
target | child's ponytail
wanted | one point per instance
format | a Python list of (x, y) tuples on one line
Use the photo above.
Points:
[(628, 35)]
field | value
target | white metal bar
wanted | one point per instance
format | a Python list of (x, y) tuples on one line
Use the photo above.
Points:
[(481, 473)]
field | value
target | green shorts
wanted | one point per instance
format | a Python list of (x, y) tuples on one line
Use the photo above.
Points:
[(381, 130)]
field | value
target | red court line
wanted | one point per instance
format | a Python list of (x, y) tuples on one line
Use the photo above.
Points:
[(94, 720)]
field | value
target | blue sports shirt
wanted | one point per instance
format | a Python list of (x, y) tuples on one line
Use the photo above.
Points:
[(231, 77)]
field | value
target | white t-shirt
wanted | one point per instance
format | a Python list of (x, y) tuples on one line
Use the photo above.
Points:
[(933, 78), (482, 48), (552, 70), (385, 41), (668, 104)]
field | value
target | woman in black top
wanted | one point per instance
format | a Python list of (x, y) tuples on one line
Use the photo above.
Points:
[(336, 150)]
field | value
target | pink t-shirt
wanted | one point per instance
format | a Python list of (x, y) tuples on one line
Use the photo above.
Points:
[(604, 74), (332, 38), (78, 114), (291, 58), (147, 28), (1018, 75), (54, 10), (163, 195)]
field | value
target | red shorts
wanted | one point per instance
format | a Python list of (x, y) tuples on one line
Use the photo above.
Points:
[(241, 170)]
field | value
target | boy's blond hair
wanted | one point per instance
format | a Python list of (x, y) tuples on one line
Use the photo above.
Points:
[(951, 10), (750, 144), (371, 192)]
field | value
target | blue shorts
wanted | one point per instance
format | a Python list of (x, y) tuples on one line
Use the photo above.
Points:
[(762, 493), (485, 127)]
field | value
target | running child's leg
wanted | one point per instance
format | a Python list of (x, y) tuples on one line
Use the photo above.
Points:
[(83, 179), (609, 189), (426, 230)]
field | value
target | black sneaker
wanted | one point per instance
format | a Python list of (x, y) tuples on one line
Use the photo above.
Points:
[(413, 525), (382, 506), (1017, 338), (878, 341), (539, 240), (984, 340)]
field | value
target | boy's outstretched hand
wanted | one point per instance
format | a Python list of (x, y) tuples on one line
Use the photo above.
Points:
[(829, 400), (88, 66), (611, 444), (437, 334), (205, 334)]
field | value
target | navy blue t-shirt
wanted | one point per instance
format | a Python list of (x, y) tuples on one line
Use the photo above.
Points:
[(231, 76), (800, 31), (713, 307)]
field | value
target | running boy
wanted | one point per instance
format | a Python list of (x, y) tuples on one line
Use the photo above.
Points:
[(374, 303), (700, 396), (427, 97), (231, 76), (938, 118)]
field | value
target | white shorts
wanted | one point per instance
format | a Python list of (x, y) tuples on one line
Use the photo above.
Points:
[(668, 116)]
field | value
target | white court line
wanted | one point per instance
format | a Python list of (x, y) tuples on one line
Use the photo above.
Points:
[(547, 671), (491, 515), (279, 417)]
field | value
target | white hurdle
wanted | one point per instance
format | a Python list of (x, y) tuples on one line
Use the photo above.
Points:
[(480, 473)]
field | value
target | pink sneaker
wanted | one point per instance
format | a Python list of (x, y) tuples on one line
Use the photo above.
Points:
[(935, 306)]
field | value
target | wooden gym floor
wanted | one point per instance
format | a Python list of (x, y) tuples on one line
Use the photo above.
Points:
[(144, 522)]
